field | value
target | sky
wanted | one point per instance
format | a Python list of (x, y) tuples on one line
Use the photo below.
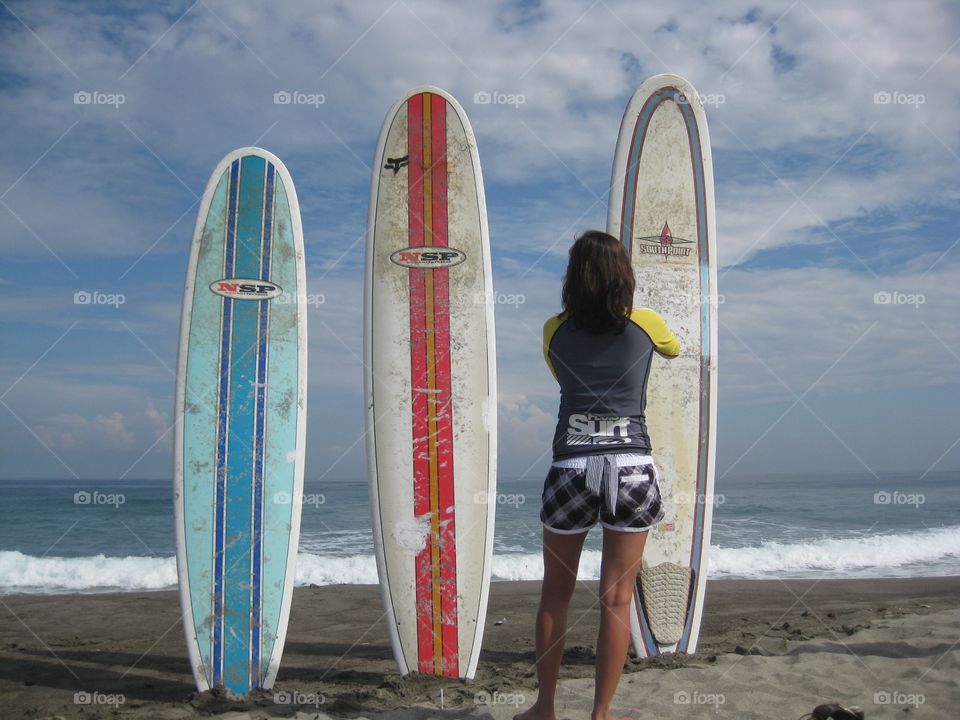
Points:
[(836, 147)]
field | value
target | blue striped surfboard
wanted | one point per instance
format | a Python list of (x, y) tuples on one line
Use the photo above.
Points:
[(240, 423)]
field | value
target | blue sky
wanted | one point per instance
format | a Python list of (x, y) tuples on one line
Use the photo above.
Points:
[(826, 195)]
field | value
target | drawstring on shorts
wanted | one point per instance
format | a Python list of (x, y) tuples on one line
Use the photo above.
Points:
[(603, 478)]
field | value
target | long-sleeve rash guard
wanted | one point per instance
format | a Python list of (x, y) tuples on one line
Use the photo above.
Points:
[(603, 383)]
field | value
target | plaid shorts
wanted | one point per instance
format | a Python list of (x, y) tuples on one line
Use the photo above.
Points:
[(570, 506)]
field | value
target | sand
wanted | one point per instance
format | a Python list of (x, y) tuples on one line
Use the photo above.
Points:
[(770, 649)]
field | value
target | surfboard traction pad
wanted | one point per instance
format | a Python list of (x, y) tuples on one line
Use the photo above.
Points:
[(665, 589)]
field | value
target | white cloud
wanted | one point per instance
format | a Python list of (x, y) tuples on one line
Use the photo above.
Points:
[(199, 92), (525, 430), (796, 324), (159, 423), (76, 432)]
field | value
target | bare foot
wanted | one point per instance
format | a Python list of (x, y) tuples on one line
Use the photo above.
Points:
[(611, 717), (535, 713)]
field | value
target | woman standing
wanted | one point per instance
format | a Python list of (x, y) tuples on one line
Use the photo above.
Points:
[(600, 352)]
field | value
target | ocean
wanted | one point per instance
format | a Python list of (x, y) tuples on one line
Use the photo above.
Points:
[(60, 536)]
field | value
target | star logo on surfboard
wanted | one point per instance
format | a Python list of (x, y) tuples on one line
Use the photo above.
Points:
[(664, 244)]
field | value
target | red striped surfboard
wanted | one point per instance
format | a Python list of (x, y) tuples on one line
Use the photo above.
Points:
[(430, 384)]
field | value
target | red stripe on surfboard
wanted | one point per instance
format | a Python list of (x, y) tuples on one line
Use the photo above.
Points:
[(438, 133), (415, 168), (444, 408), (418, 370), (436, 574)]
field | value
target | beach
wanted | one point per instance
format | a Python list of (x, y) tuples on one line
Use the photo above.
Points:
[(769, 649)]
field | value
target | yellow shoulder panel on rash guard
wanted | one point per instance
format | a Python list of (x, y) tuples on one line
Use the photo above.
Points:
[(664, 341), (549, 329)]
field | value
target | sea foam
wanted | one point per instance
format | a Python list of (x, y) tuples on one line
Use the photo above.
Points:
[(933, 551)]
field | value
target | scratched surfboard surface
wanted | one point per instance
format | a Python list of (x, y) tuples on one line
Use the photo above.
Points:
[(430, 384), (662, 208), (240, 423)]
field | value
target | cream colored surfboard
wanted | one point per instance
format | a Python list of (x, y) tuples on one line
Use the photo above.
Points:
[(430, 384), (662, 207)]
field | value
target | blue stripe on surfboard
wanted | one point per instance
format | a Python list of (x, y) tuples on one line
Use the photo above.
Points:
[(703, 247), (645, 633), (256, 675), (223, 399), (198, 459), (630, 186), (626, 223), (281, 429), (237, 571)]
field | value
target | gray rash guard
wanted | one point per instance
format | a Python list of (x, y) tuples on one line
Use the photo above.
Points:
[(603, 383)]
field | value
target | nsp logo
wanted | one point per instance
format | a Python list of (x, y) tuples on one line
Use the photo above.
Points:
[(246, 289), (428, 257)]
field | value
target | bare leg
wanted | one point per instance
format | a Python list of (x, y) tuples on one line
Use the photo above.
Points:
[(622, 552), (561, 557)]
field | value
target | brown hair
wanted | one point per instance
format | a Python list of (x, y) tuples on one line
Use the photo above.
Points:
[(599, 284)]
